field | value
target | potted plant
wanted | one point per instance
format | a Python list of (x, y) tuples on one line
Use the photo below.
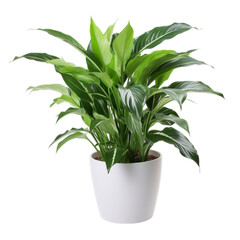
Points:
[(120, 96)]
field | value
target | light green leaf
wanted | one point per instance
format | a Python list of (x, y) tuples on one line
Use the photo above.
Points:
[(108, 33), (60, 62), (104, 77), (78, 111), (65, 98), (107, 125), (53, 87), (100, 45), (122, 47), (80, 74)]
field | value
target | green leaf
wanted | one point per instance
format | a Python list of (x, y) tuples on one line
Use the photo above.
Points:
[(70, 40), (135, 127), (176, 94), (172, 136), (100, 45), (107, 125), (173, 64), (100, 106), (78, 111), (80, 74), (40, 57), (170, 119), (53, 87), (104, 77), (157, 35), (114, 156), (133, 98), (66, 133), (150, 63), (60, 62), (108, 33), (76, 86), (71, 137), (194, 86), (122, 47), (66, 98)]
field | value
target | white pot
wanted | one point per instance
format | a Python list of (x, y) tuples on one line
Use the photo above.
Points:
[(129, 192)]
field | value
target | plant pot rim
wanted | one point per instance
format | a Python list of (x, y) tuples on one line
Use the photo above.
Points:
[(155, 153)]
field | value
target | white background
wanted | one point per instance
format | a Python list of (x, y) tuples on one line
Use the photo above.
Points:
[(44, 195)]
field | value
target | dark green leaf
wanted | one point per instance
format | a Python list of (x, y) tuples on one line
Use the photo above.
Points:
[(193, 86), (40, 57), (172, 136), (176, 94), (66, 133), (157, 35), (135, 127), (169, 120), (76, 86), (133, 98), (70, 40), (114, 156), (71, 137), (173, 64)]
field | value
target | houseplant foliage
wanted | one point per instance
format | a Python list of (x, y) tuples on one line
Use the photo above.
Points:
[(123, 92)]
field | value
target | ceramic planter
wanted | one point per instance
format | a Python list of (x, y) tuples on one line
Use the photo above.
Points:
[(129, 192)]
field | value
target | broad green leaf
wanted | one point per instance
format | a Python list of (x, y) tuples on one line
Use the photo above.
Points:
[(78, 111), (53, 87), (176, 94), (150, 63), (108, 33), (133, 98), (66, 98), (80, 74), (172, 136), (170, 119), (60, 62), (194, 86), (154, 61), (135, 127), (157, 35), (173, 64), (134, 63), (40, 57), (66, 133), (100, 106), (71, 137), (162, 78), (107, 125), (100, 45), (70, 40), (104, 77), (122, 47), (114, 156), (76, 86)]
